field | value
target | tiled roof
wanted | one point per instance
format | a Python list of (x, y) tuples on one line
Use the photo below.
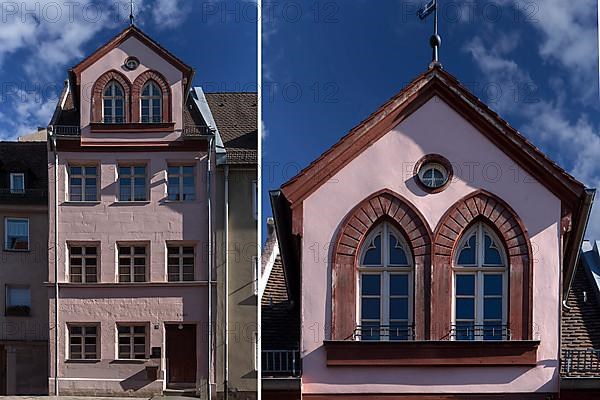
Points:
[(31, 159), (236, 116), (581, 323), (280, 325)]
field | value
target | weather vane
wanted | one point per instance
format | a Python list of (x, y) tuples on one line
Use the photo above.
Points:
[(435, 41), (131, 17)]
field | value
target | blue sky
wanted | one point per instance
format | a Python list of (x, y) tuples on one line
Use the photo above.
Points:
[(41, 40), (328, 64)]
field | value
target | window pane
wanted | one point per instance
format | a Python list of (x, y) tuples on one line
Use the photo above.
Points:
[(397, 253), (398, 308), (18, 296), (492, 285), (465, 308), (373, 255), (371, 285), (492, 308), (492, 255), (465, 285), (467, 254), (370, 308), (399, 285)]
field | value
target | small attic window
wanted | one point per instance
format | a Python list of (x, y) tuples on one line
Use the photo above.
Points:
[(131, 63), (433, 173), (17, 182)]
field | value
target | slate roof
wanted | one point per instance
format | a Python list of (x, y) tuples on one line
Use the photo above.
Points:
[(31, 159), (581, 323), (280, 322), (236, 116)]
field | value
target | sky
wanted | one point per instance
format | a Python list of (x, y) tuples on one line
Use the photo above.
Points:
[(41, 40), (328, 64)]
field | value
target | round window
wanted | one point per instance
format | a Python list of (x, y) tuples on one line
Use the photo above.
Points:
[(433, 173), (131, 63)]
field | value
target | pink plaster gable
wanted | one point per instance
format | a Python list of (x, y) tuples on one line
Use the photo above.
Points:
[(388, 163), (114, 59)]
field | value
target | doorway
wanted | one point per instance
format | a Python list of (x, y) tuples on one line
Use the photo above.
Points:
[(180, 353)]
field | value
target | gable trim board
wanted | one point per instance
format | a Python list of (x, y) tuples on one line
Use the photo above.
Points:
[(576, 199)]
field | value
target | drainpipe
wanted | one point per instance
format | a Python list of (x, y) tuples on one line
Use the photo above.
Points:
[(56, 335), (210, 255), (226, 283)]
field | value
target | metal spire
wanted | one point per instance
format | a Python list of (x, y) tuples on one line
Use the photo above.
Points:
[(435, 41), (131, 17)]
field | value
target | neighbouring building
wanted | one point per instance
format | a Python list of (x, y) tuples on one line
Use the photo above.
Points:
[(580, 367), (236, 214), (134, 149), (24, 268), (431, 250)]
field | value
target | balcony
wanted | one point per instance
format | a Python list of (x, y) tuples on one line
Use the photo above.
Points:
[(67, 130), (384, 333), (196, 130), (480, 332), (580, 362), (27, 196), (281, 363)]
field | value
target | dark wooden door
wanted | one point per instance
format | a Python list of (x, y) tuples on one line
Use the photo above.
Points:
[(181, 354), (2, 371)]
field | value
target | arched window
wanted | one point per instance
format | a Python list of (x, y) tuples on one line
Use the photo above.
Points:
[(386, 286), (151, 103), (480, 287), (113, 103)]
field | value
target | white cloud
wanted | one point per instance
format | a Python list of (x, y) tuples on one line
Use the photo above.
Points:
[(169, 13)]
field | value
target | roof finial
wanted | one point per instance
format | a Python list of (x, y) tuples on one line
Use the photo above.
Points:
[(435, 41), (131, 17)]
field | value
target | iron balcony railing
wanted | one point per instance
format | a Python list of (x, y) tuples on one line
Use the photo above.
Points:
[(580, 361), (196, 130), (66, 130), (480, 332), (281, 363), (384, 332)]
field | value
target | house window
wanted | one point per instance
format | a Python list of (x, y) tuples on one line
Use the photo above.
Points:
[(113, 103), (132, 183), (17, 183), (180, 263), (16, 235), (433, 175), (386, 286), (151, 102), (181, 183), (83, 342), (480, 287), (18, 301), (83, 183), (132, 263), (83, 264), (132, 342)]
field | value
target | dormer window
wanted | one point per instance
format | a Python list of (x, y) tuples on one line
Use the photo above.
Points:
[(17, 183), (113, 103), (151, 103)]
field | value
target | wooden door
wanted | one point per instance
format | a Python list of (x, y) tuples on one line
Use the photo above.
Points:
[(181, 354), (2, 371)]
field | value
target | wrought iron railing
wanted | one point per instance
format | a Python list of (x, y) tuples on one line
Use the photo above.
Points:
[(281, 363), (384, 333), (480, 332), (67, 130), (196, 130), (580, 361), (26, 193)]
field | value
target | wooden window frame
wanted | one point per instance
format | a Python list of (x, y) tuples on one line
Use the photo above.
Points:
[(132, 256), (83, 336), (132, 354), (84, 246), (83, 176), (180, 265), (132, 175), (6, 220), (13, 175)]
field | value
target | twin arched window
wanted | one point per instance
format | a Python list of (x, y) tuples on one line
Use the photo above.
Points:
[(386, 286), (113, 103)]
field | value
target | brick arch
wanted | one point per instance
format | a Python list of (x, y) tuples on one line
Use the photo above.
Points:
[(380, 206), (499, 216), (98, 89), (139, 83)]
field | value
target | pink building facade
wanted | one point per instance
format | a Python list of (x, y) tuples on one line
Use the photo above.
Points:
[(129, 226), (439, 270)]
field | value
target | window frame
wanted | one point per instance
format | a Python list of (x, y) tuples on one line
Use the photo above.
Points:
[(132, 175), (385, 271), (479, 271), (113, 98), (181, 175), (13, 175), (8, 303), (132, 335), (132, 257), (152, 98), (84, 257), (6, 220), (83, 176), (180, 257), (83, 336)]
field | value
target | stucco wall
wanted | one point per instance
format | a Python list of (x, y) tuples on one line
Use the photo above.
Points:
[(389, 163)]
